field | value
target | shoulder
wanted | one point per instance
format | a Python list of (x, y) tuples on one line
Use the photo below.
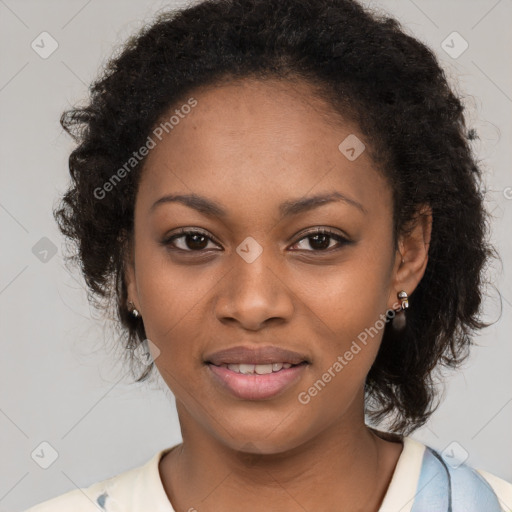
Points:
[(88, 499), (502, 488), (136, 489), (448, 482), (426, 480)]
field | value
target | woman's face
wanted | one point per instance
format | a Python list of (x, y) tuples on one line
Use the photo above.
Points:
[(251, 277)]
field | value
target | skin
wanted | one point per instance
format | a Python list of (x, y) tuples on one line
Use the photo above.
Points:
[(251, 145)]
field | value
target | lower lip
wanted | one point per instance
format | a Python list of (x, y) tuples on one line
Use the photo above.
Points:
[(254, 386)]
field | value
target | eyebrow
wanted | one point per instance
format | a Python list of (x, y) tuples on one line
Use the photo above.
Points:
[(288, 208)]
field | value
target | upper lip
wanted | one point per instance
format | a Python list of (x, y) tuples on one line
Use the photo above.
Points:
[(258, 355)]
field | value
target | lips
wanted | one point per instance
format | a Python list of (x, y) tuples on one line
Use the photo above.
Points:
[(260, 373), (255, 386), (256, 356)]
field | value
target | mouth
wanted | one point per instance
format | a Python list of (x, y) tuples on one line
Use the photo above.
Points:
[(260, 357), (255, 373), (256, 381), (258, 369)]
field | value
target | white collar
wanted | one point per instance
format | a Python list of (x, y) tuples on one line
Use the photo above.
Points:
[(403, 486)]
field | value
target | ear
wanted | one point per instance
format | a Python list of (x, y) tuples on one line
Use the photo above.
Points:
[(412, 255), (129, 271)]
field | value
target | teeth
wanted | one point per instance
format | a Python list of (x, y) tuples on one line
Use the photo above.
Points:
[(246, 368), (262, 369), (259, 369)]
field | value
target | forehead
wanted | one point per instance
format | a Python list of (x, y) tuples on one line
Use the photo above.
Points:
[(250, 138)]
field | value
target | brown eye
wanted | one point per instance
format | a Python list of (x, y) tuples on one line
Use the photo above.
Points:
[(320, 240), (189, 241)]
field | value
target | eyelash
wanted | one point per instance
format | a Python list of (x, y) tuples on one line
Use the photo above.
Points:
[(319, 231)]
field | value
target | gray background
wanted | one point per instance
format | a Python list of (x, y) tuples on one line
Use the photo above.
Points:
[(58, 383)]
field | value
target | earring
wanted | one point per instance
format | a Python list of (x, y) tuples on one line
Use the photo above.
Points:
[(399, 320), (404, 299), (133, 310)]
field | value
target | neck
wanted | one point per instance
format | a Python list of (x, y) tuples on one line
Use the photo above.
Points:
[(347, 467)]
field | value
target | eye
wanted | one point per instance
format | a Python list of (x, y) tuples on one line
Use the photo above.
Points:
[(192, 241), (320, 240)]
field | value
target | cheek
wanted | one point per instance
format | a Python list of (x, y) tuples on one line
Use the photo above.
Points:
[(346, 306), (347, 295), (173, 298)]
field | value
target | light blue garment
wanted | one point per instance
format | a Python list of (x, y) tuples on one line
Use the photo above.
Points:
[(444, 487)]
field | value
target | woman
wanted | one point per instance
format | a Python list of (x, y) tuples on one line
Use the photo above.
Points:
[(280, 199)]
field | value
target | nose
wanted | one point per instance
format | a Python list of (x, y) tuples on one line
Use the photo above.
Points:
[(254, 295)]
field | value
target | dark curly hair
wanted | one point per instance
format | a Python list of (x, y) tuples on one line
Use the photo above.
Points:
[(370, 72)]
